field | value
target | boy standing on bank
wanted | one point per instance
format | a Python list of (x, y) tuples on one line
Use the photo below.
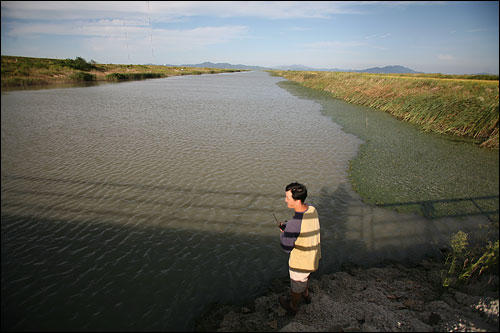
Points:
[(300, 237)]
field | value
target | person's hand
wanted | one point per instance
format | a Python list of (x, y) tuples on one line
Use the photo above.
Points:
[(282, 226)]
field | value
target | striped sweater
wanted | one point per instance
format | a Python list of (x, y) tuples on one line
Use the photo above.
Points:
[(301, 238)]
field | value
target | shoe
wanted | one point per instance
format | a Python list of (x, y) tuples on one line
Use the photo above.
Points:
[(285, 304)]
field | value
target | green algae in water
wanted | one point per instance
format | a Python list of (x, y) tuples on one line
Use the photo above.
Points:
[(406, 169)]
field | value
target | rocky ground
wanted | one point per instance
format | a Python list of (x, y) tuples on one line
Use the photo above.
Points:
[(391, 298)]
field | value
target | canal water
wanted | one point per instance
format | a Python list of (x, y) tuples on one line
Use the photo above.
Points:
[(133, 206)]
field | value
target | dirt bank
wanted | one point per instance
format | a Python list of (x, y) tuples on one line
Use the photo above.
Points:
[(391, 298)]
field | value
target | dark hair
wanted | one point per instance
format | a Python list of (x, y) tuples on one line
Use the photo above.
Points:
[(299, 191)]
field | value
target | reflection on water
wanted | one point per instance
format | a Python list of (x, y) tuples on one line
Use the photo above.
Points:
[(131, 207), (56, 85)]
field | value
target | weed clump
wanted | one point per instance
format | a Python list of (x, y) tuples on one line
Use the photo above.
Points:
[(466, 262)]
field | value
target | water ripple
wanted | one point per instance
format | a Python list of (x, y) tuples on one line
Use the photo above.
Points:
[(132, 206)]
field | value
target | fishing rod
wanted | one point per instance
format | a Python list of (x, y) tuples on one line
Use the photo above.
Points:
[(280, 224)]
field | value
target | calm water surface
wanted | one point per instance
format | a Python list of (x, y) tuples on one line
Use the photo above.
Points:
[(132, 206)]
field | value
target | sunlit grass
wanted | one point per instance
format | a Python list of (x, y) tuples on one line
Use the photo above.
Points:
[(24, 71), (457, 105)]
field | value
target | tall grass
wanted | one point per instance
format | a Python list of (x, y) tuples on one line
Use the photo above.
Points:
[(463, 106)]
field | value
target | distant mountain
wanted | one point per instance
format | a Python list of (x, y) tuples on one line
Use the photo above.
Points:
[(389, 70), (383, 70), (298, 67), (295, 68), (221, 65)]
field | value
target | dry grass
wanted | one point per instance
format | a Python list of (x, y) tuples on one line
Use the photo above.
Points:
[(24, 71), (461, 107)]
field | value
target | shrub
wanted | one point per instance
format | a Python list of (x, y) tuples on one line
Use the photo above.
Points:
[(115, 77), (79, 64), (81, 76), (132, 76), (465, 262)]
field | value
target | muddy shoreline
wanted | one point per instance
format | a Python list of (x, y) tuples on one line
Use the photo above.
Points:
[(389, 297)]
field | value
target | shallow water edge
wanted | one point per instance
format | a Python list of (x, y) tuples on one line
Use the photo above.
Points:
[(400, 167)]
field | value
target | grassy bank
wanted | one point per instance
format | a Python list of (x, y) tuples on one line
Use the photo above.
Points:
[(24, 71), (464, 106)]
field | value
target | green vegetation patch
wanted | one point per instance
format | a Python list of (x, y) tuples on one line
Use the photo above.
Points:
[(79, 64), (82, 77), (132, 76), (468, 261), (402, 168)]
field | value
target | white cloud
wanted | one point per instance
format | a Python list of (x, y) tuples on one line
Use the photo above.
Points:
[(118, 28), (297, 29), (171, 10), (201, 36), (164, 41), (331, 44), (477, 30), (70, 10), (378, 36), (120, 20), (446, 57), (108, 28)]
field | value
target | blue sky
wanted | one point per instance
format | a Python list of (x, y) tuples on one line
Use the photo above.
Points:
[(427, 36)]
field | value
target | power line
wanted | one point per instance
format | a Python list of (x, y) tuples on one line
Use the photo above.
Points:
[(126, 39), (151, 31)]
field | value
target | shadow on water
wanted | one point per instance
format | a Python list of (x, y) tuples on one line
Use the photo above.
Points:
[(354, 232), (118, 185), (93, 275), (88, 273), (429, 207), (84, 84)]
